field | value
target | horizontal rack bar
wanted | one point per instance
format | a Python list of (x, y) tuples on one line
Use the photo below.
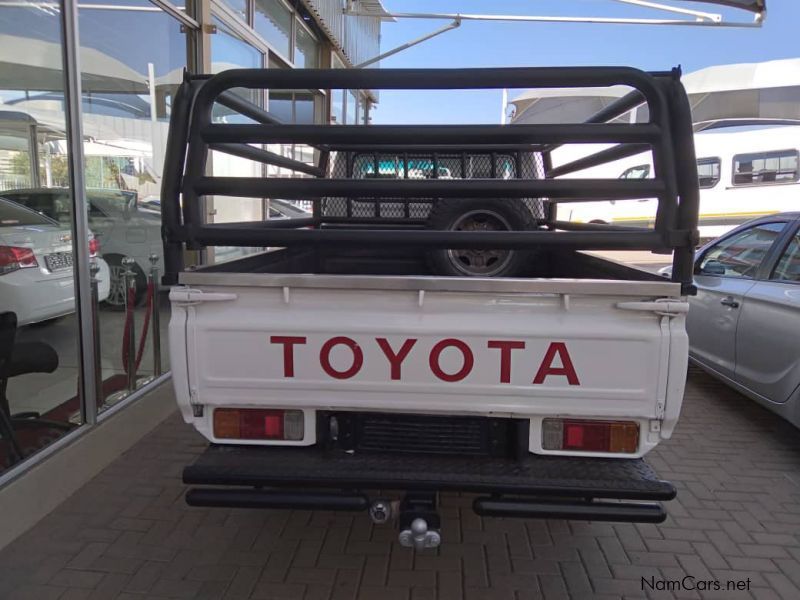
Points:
[(293, 188), (413, 149), (612, 111), (586, 240), (578, 133), (436, 79), (573, 226), (291, 223), (361, 221)]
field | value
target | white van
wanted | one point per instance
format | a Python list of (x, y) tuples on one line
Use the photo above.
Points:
[(746, 170)]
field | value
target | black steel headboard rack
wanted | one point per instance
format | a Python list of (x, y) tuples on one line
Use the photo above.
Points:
[(667, 134)]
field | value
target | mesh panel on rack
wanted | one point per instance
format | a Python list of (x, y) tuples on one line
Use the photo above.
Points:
[(415, 165)]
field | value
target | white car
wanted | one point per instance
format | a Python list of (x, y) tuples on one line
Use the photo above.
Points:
[(117, 220), (36, 276)]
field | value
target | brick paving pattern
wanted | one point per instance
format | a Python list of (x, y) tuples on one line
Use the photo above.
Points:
[(128, 535)]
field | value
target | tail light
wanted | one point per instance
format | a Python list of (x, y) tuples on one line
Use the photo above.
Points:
[(13, 258), (258, 424), (619, 437), (94, 247)]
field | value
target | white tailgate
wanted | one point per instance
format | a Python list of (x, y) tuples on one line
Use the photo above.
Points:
[(506, 354)]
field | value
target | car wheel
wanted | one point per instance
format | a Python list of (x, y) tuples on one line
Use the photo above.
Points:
[(116, 293), (480, 215)]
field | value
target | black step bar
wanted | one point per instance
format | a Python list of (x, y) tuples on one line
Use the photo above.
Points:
[(233, 498), (627, 512)]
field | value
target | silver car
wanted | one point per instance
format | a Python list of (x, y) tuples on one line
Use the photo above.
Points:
[(744, 323)]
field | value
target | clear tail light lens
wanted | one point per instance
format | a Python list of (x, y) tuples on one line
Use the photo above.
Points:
[(258, 424), (13, 258), (618, 437)]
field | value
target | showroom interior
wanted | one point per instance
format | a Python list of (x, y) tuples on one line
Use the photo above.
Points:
[(84, 113)]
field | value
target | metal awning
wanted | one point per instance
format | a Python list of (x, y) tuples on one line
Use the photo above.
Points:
[(679, 12)]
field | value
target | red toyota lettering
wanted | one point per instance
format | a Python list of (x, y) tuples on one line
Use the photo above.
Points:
[(505, 347), (325, 357), (465, 369), (566, 369), (396, 358), (288, 342)]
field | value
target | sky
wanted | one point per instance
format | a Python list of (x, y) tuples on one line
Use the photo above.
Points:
[(494, 44)]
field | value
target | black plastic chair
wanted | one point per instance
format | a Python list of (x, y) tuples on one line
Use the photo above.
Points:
[(21, 359)]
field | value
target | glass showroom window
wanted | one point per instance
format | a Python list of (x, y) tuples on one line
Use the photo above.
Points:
[(273, 21), (351, 107), (37, 286), (229, 51), (239, 7), (306, 52), (127, 94), (337, 96)]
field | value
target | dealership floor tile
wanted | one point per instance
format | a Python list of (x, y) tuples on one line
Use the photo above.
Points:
[(127, 534)]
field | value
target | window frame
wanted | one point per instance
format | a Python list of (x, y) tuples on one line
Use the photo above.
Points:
[(246, 29), (646, 166), (710, 160), (767, 263), (784, 247), (795, 179)]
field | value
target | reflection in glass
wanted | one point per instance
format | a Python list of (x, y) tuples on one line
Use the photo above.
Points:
[(307, 50), (273, 21), (305, 103), (39, 358), (280, 105), (228, 51), (239, 7), (350, 114), (337, 106), (128, 87)]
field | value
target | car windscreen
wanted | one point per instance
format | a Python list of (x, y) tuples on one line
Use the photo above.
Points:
[(54, 203), (112, 203), (12, 215)]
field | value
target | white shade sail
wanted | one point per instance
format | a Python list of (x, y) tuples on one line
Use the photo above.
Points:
[(768, 89)]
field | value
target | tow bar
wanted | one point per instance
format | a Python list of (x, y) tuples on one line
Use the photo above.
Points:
[(419, 522), (417, 518)]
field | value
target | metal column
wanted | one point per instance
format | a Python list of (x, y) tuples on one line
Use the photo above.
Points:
[(80, 227)]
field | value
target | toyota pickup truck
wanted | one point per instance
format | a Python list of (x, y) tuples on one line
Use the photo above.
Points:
[(339, 369)]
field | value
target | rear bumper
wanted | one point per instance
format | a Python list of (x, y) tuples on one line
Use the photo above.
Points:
[(535, 486)]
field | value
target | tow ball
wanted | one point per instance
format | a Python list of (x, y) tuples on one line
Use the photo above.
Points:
[(419, 522), (419, 537)]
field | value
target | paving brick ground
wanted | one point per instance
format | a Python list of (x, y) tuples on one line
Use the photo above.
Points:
[(127, 534)]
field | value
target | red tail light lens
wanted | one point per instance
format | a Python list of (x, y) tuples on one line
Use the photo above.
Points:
[(13, 258), (590, 436), (258, 424), (94, 247)]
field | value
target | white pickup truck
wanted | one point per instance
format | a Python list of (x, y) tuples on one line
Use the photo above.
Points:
[(342, 372)]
